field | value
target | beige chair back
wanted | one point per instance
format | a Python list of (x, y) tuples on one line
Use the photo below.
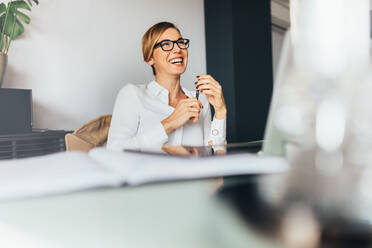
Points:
[(90, 135)]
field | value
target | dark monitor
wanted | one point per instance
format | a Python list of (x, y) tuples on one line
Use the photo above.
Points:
[(15, 111)]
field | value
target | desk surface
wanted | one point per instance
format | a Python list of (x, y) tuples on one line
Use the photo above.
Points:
[(178, 214)]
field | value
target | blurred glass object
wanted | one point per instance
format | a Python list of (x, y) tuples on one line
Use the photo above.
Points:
[(300, 228), (330, 124), (330, 37), (325, 58), (321, 120)]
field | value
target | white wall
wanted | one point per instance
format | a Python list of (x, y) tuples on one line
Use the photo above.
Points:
[(77, 54)]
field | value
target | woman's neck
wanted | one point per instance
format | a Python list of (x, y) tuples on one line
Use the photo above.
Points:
[(172, 84)]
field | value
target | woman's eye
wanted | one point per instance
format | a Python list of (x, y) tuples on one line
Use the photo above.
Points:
[(166, 43)]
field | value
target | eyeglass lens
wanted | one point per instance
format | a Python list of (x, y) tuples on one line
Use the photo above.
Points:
[(168, 45)]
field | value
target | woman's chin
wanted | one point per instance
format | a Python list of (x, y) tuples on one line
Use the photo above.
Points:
[(177, 72)]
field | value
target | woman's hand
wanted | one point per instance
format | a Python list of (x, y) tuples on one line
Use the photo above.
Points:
[(186, 109), (181, 151), (213, 90)]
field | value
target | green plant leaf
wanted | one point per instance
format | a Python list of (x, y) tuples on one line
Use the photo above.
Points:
[(14, 18), (23, 17), (30, 2), (18, 29), (2, 8), (12, 22), (19, 5)]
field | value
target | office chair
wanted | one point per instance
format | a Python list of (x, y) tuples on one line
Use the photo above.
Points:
[(90, 135)]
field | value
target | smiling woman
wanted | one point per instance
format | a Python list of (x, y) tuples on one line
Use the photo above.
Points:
[(162, 112), (150, 38)]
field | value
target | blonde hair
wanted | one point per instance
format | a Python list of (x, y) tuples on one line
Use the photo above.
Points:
[(152, 36)]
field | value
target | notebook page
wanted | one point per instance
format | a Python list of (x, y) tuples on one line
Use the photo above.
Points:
[(144, 168), (52, 174)]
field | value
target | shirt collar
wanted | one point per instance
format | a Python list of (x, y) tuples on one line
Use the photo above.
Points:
[(158, 91), (162, 93)]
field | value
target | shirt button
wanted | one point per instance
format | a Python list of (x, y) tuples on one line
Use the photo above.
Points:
[(215, 132)]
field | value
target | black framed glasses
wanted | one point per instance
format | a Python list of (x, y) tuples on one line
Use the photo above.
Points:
[(167, 45)]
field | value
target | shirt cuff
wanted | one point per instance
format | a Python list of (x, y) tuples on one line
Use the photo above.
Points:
[(157, 137), (218, 131)]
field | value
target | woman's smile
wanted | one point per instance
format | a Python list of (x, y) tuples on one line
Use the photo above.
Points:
[(176, 61)]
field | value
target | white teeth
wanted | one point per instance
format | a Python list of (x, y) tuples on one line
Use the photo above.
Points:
[(178, 61)]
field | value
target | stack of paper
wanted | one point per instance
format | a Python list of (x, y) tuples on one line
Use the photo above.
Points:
[(143, 168), (73, 171)]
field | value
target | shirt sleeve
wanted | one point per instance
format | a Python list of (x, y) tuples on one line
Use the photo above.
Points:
[(125, 121), (215, 130)]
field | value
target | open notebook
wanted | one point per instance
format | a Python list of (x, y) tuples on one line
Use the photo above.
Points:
[(73, 171)]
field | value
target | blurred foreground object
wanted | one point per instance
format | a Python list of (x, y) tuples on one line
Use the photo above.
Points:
[(320, 120), (322, 86)]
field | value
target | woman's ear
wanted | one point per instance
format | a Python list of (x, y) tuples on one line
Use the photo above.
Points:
[(150, 62)]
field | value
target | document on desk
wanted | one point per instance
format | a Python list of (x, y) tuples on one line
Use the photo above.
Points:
[(52, 174), (145, 168), (74, 171)]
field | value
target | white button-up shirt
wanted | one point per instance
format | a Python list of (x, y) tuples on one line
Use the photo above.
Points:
[(137, 116)]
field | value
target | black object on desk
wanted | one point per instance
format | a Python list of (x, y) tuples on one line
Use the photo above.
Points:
[(15, 111), (35, 143), (17, 138)]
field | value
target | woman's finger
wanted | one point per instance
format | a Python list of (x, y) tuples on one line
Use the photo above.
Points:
[(203, 81), (193, 107), (192, 110), (204, 76), (194, 117), (197, 103), (207, 85), (189, 100), (211, 90), (213, 84), (194, 151), (193, 113), (210, 78), (194, 103), (208, 92)]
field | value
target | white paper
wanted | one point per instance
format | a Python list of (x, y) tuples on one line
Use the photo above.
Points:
[(73, 171), (137, 168), (52, 174)]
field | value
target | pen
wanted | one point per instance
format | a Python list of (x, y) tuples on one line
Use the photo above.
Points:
[(197, 94)]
